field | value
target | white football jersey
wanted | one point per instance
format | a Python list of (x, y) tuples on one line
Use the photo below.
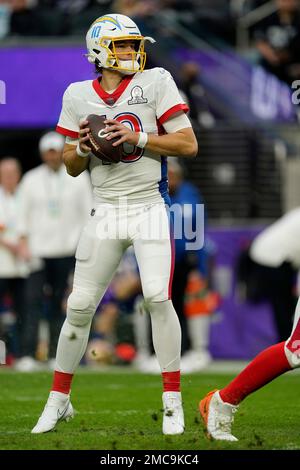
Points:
[(144, 102)]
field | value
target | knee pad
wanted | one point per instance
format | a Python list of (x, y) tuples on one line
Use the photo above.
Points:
[(292, 352), (156, 290), (81, 308)]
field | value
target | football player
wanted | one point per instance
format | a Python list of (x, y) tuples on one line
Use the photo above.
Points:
[(219, 406), (144, 109)]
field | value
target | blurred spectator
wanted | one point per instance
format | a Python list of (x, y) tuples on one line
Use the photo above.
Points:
[(4, 18), (72, 7), (190, 272), (178, 5), (42, 18), (105, 5), (54, 208), (270, 271), (181, 193), (200, 303), (23, 20), (12, 269), (190, 85), (278, 41), (242, 7), (135, 8)]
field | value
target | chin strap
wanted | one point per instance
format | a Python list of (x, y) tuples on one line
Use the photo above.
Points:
[(128, 63)]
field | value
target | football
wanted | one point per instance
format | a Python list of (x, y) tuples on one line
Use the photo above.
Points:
[(101, 147)]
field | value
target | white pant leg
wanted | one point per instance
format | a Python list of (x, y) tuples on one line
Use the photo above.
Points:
[(96, 262), (154, 253)]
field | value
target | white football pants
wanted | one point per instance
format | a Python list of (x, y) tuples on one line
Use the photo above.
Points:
[(106, 236)]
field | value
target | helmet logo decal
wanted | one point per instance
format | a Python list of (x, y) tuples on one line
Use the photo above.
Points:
[(108, 19), (137, 96), (95, 32)]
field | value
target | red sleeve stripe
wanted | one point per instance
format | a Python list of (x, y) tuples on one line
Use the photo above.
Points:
[(178, 107), (67, 132)]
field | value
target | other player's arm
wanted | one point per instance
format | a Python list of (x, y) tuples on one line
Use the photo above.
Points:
[(75, 163), (183, 142)]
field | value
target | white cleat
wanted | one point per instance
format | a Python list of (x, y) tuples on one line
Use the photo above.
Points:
[(195, 361), (173, 420), (58, 408), (51, 364), (218, 417), (28, 364), (148, 365)]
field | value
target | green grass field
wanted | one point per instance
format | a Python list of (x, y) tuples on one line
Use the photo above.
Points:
[(122, 410)]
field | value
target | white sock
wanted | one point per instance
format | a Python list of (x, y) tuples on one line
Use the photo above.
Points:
[(166, 334), (198, 330), (71, 347)]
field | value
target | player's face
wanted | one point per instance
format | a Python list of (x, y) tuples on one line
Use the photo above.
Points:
[(124, 49), (52, 158), (9, 176)]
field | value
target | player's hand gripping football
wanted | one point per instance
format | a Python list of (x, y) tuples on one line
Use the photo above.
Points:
[(117, 129), (83, 136)]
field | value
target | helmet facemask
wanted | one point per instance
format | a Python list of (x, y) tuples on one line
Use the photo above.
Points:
[(114, 59)]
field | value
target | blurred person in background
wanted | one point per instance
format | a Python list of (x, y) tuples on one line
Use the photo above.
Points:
[(135, 8), (12, 269), (54, 208), (5, 13), (275, 255), (278, 41), (23, 18), (194, 91), (73, 6), (192, 299), (242, 7), (187, 196), (201, 301), (267, 271)]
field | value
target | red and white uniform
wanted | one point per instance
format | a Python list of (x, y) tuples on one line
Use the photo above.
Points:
[(144, 102)]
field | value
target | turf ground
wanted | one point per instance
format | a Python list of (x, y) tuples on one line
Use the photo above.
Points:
[(122, 410)]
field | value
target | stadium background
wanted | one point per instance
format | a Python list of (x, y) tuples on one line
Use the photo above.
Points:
[(247, 127)]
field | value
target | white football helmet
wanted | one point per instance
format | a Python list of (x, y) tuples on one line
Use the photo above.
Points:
[(101, 41)]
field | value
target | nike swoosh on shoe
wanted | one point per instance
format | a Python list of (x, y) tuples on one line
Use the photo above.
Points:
[(60, 415)]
